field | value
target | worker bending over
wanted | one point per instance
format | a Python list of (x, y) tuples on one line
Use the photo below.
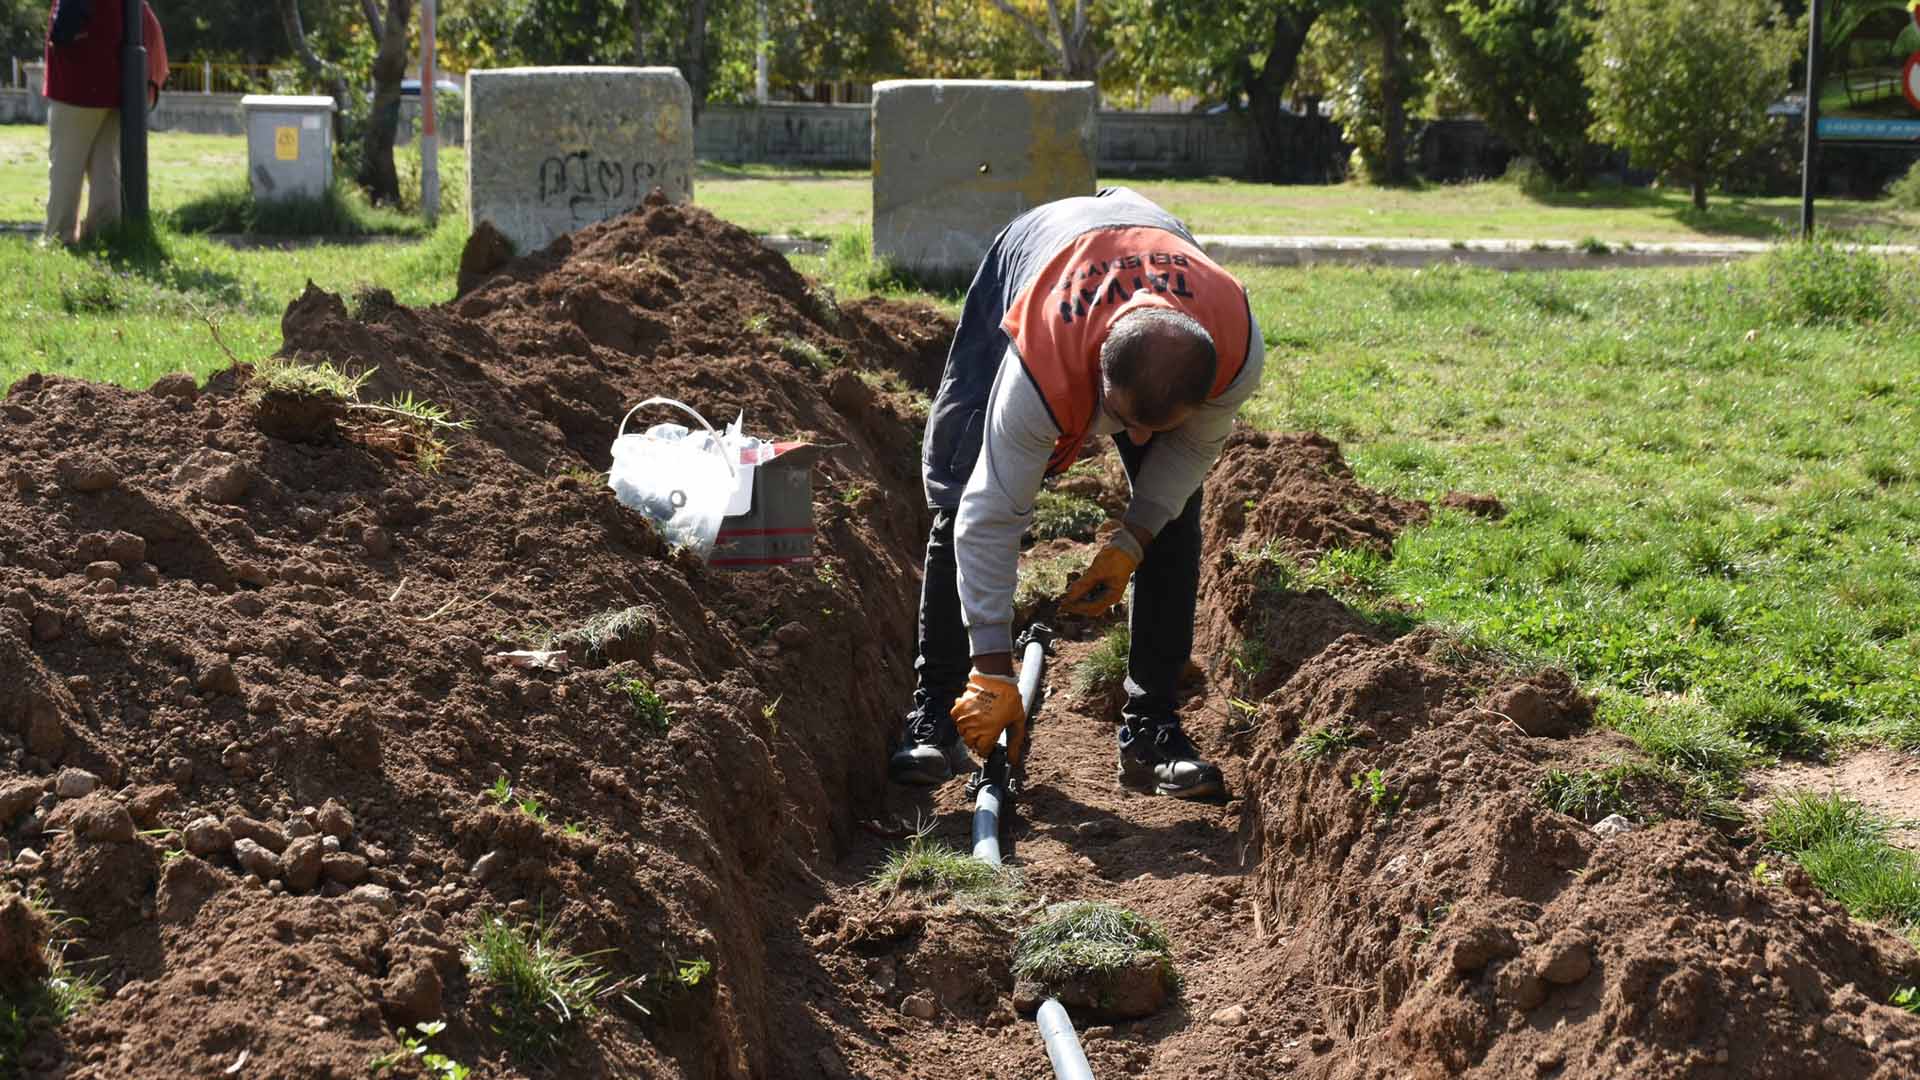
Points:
[(1088, 316)]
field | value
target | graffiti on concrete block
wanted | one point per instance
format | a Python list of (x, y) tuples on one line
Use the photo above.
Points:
[(594, 187)]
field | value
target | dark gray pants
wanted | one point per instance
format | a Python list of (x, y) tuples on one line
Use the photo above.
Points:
[(1165, 592)]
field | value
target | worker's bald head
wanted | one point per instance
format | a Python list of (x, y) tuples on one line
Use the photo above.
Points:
[(1159, 361)]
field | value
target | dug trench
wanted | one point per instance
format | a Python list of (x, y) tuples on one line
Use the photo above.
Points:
[(264, 739)]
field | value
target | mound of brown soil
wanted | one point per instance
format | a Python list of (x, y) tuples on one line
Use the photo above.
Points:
[(279, 643), (1470, 930)]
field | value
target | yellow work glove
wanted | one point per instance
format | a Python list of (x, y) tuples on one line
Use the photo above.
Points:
[(991, 705), (1105, 581)]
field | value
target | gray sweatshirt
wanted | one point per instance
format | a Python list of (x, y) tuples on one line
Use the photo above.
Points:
[(997, 504)]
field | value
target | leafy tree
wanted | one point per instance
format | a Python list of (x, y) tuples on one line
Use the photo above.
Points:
[(1369, 64), (965, 39), (230, 31), (391, 30), (1073, 43), (1244, 52), (1516, 63), (23, 28), (1683, 85)]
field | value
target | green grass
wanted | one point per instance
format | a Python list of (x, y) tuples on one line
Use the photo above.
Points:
[(926, 865), (52, 1001), (1086, 938), (601, 632), (1844, 849), (1058, 515), (1589, 795), (1710, 475), (650, 711), (1326, 742), (540, 989), (96, 316), (1105, 668), (1045, 579)]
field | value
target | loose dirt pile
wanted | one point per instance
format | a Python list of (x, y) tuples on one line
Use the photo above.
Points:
[(296, 640), (260, 735)]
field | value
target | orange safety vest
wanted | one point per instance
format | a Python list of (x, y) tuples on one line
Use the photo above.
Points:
[(1059, 321)]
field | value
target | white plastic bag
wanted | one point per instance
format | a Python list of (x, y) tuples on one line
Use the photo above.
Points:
[(680, 480)]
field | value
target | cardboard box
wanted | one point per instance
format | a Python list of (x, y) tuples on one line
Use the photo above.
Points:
[(769, 520)]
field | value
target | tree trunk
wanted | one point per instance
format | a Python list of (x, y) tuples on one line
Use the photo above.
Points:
[(693, 55), (1396, 169), (377, 174), (1266, 87), (1700, 195), (319, 70)]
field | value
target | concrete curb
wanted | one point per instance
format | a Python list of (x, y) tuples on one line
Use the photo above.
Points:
[(1494, 254)]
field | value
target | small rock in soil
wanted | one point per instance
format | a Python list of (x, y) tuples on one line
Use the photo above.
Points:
[(345, 869), (264, 833), (186, 884), (256, 859), (16, 798), (214, 475), (920, 1006), (86, 472), (1613, 825), (1479, 946), (1569, 956), (488, 865), (103, 820), (335, 820), (1231, 1016), (207, 837), (303, 861), (75, 783), (412, 994), (147, 802), (103, 570), (177, 385), (219, 678), (379, 896)]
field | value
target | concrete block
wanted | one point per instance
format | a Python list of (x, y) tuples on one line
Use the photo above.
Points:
[(553, 149), (954, 160), (36, 74), (289, 145)]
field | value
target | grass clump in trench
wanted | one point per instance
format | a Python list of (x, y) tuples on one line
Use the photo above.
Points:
[(537, 990), (51, 992), (1058, 515), (1044, 579), (927, 865), (279, 375), (1843, 847), (608, 632), (650, 710), (1105, 668), (1326, 742), (1589, 794), (1084, 938)]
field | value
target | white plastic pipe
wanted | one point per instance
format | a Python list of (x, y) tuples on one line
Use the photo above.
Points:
[(992, 795), (1063, 1046)]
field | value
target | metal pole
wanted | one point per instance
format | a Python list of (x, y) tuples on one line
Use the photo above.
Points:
[(429, 130), (133, 114), (206, 76), (1810, 116)]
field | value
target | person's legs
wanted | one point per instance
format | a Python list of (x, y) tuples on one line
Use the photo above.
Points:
[(1154, 750), (103, 177), (930, 750), (70, 136)]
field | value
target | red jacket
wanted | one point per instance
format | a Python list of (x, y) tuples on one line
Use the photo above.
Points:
[(83, 52), (1060, 319)]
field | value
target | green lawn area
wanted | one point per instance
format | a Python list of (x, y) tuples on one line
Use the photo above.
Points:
[(825, 203)]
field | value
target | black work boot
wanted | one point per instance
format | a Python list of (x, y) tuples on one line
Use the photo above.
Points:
[(930, 751), (1161, 759)]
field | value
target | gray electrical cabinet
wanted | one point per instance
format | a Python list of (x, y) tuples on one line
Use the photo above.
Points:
[(289, 145)]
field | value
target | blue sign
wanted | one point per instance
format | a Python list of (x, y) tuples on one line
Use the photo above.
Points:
[(1851, 127)]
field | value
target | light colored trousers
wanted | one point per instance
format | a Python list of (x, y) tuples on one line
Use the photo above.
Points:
[(84, 143)]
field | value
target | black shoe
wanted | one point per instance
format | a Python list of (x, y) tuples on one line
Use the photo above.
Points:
[(930, 751), (1163, 760)]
